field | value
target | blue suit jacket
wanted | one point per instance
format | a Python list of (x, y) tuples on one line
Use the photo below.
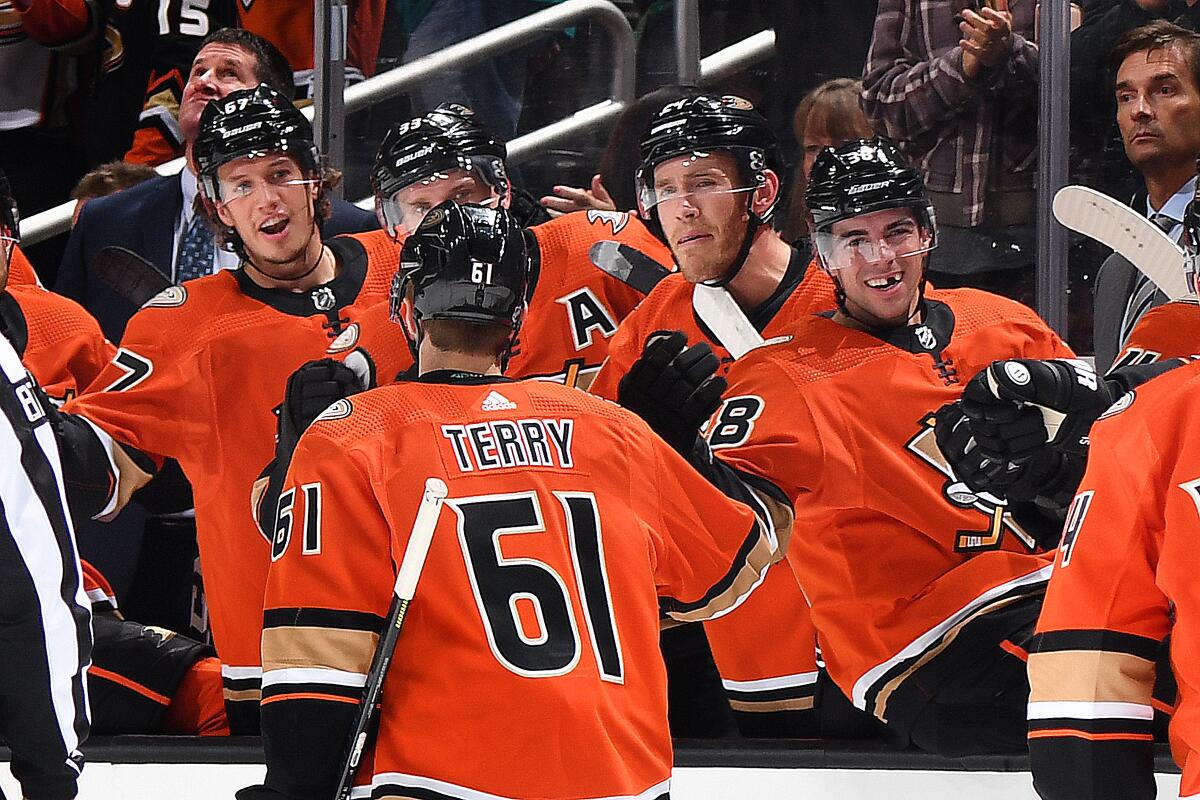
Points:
[(142, 219)]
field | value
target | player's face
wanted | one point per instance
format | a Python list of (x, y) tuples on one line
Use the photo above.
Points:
[(410, 204), (878, 259), (217, 70), (702, 207), (269, 201), (1158, 109)]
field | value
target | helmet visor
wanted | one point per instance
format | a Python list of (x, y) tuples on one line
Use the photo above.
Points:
[(694, 179), (401, 213), (247, 179), (10, 231), (847, 245)]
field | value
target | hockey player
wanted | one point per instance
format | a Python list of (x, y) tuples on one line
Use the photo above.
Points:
[(709, 183), (44, 619), (178, 386), (924, 594), (574, 308), (534, 631), (1124, 578)]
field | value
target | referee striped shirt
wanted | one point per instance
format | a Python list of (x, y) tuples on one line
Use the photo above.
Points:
[(45, 621)]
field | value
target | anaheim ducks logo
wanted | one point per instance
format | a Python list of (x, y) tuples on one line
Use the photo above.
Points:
[(170, 297), (1123, 402), (338, 409), (345, 340), (924, 446), (434, 217), (614, 219)]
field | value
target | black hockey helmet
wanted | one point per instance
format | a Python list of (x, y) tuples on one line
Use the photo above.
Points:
[(10, 220), (863, 176), (701, 124), (447, 138), (251, 122), (698, 126), (465, 263)]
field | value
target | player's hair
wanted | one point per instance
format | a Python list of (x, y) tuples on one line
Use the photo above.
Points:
[(469, 338), (1155, 36), (110, 178), (831, 109), (270, 66)]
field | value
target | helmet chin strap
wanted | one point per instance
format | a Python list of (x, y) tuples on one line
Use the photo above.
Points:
[(752, 225)]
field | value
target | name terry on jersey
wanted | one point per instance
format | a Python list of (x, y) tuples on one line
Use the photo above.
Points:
[(507, 443)]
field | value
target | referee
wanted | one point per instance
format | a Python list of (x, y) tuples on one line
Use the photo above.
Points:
[(45, 621)]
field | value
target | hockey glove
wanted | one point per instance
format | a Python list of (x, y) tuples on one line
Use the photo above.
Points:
[(310, 390), (1019, 405), (954, 438), (673, 387)]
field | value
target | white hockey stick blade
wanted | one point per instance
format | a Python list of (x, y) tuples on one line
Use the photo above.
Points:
[(420, 538), (724, 317), (1118, 226)]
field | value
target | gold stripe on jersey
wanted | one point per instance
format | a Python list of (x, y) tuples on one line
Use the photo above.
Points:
[(242, 695), (885, 693), (306, 647), (767, 706), (1090, 676), (744, 575)]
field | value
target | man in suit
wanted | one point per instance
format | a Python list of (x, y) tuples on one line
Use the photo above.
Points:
[(157, 219), (1157, 90)]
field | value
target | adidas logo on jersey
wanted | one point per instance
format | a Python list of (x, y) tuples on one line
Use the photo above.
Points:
[(497, 402)]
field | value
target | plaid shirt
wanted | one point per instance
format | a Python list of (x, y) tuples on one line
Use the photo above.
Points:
[(967, 136)]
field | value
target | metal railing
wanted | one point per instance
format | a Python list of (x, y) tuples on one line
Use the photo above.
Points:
[(506, 37)]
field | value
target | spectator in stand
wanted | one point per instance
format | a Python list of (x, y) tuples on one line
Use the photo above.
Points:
[(1157, 89), (493, 88), (828, 116), (108, 179), (288, 24), (1098, 156), (41, 148), (157, 219), (960, 95)]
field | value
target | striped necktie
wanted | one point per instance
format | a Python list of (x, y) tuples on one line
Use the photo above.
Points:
[(1144, 289)]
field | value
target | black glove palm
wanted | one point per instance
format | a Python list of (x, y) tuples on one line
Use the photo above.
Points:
[(673, 387)]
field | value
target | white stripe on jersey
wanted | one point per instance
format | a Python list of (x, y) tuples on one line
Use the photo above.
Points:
[(1079, 709), (767, 684), (462, 792), (240, 673), (934, 634), (39, 547), (333, 677)]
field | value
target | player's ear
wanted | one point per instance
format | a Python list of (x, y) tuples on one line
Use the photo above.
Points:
[(223, 214), (766, 192)]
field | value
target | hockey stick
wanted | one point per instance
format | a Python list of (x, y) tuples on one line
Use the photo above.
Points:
[(406, 584), (128, 274), (717, 309), (1135, 237), (627, 264)]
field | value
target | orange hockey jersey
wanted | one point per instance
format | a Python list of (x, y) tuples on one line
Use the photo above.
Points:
[(59, 342), (198, 377), (765, 653), (20, 270), (533, 635), (1171, 330), (1124, 578), (576, 308), (805, 289), (894, 554)]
